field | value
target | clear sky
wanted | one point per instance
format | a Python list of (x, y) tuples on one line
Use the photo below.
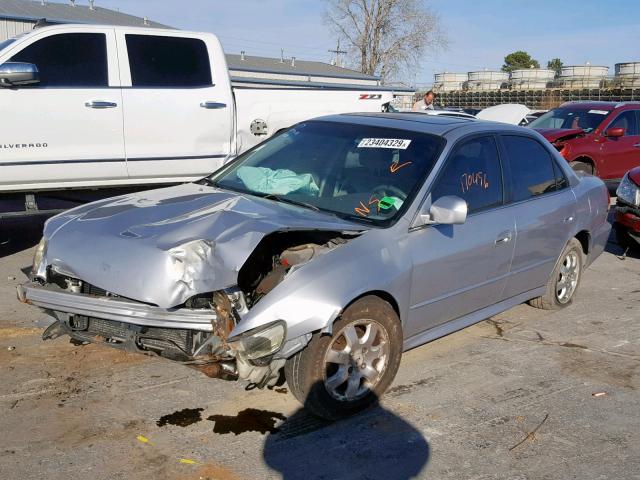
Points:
[(481, 32)]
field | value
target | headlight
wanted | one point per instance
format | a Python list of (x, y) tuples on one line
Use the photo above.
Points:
[(38, 256), (628, 191), (260, 342)]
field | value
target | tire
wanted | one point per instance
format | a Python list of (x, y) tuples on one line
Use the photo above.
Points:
[(568, 269), (339, 388), (624, 239), (584, 167)]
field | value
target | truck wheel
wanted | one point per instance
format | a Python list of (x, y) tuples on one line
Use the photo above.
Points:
[(340, 374), (624, 239), (564, 280), (583, 167)]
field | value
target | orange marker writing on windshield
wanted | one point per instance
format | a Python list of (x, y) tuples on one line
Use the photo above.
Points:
[(394, 167)]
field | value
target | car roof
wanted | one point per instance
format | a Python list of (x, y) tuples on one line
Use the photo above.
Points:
[(418, 122), (587, 104)]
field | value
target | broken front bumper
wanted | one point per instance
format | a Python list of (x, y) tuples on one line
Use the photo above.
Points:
[(116, 309)]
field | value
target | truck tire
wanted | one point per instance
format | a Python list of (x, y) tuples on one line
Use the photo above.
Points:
[(564, 279), (584, 167), (340, 374)]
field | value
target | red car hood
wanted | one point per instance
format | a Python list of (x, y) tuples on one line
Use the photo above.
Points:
[(554, 134), (634, 175)]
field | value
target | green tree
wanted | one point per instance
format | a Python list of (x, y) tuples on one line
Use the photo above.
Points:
[(518, 60), (555, 65)]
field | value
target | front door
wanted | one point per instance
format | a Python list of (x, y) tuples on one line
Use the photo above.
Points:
[(621, 154), (178, 117), (67, 128), (459, 269)]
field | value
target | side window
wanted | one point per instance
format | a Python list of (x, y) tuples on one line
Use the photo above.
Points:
[(472, 172), (69, 60), (532, 170), (628, 121), (157, 61)]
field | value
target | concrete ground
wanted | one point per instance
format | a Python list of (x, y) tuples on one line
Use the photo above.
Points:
[(528, 394)]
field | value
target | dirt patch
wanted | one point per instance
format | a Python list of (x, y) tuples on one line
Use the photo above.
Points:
[(600, 368), (211, 472), (14, 332)]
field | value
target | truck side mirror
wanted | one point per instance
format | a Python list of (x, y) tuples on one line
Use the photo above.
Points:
[(615, 132), (17, 74), (447, 210)]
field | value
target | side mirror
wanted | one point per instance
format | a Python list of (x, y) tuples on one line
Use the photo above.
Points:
[(17, 74), (447, 210), (615, 132)]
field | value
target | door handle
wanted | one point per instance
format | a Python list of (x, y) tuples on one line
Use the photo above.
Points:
[(504, 237), (213, 105), (100, 104), (568, 219), (637, 145)]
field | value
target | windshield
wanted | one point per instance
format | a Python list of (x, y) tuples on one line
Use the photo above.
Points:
[(358, 172), (569, 118)]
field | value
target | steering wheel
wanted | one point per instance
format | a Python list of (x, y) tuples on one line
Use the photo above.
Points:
[(389, 190)]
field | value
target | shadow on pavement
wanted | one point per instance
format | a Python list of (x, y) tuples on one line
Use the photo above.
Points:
[(20, 234), (375, 444)]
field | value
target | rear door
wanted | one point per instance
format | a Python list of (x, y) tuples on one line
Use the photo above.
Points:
[(459, 269), (178, 107), (620, 154), (544, 208), (67, 128)]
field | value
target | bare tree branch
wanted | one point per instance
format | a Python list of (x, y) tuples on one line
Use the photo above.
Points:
[(385, 37)]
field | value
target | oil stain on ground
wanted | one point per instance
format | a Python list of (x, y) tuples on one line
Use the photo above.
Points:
[(247, 420), (181, 418)]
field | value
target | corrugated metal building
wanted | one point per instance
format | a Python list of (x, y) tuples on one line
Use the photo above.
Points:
[(18, 16)]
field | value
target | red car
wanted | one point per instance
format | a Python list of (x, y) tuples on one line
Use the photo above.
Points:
[(628, 210), (600, 138)]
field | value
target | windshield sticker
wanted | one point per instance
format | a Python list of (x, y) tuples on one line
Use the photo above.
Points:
[(386, 203), (384, 143), (469, 180), (599, 112), (395, 166)]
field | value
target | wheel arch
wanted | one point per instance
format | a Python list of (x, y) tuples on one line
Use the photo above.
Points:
[(584, 237), (383, 295), (586, 159)]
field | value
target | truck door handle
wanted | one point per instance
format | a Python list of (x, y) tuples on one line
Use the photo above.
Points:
[(100, 104), (213, 105), (504, 237)]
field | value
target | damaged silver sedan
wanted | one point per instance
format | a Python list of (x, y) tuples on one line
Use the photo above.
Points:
[(321, 255)]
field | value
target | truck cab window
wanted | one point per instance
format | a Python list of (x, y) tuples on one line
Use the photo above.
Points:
[(68, 60), (532, 170), (473, 173), (157, 61)]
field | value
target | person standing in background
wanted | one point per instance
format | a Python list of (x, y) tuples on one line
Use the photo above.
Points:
[(426, 103)]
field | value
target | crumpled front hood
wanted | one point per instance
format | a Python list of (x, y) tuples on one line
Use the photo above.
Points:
[(554, 134), (164, 246)]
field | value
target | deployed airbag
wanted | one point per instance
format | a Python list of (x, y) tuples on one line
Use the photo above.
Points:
[(279, 182)]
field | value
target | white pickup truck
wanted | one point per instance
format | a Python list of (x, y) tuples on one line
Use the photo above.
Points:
[(86, 106)]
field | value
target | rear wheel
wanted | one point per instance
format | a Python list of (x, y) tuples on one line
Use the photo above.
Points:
[(584, 167), (564, 280), (340, 374)]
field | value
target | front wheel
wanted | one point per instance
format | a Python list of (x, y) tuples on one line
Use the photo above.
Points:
[(564, 280), (340, 374)]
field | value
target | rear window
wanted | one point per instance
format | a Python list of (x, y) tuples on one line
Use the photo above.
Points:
[(531, 168), (157, 61)]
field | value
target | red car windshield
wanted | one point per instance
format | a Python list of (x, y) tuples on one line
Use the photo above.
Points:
[(571, 117)]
